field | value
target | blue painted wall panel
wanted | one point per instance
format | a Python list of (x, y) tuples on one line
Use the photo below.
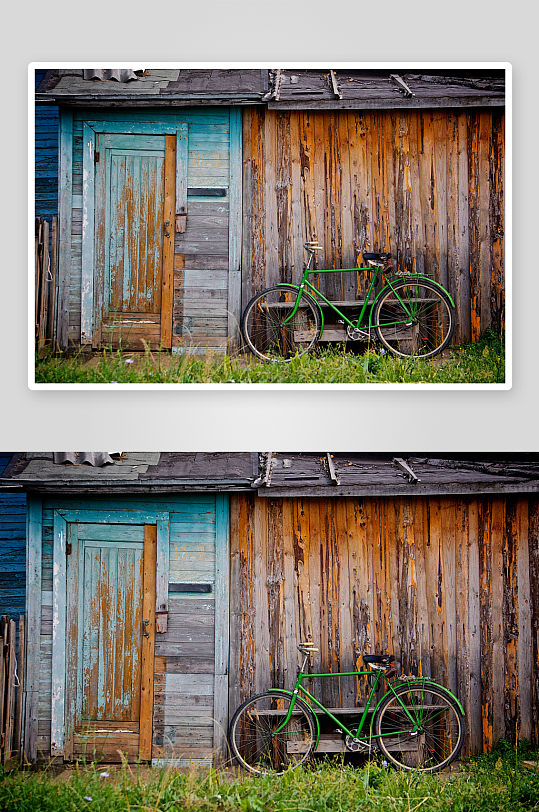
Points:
[(12, 549), (46, 158)]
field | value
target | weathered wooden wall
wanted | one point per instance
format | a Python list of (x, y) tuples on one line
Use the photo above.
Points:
[(449, 585), (425, 185)]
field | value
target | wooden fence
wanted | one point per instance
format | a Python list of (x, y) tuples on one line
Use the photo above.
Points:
[(11, 693), (46, 265)]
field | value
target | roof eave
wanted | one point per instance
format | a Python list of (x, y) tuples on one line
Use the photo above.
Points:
[(124, 486), (403, 489), (385, 104), (158, 100)]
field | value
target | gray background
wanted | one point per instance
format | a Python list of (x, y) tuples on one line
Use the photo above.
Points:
[(274, 33)]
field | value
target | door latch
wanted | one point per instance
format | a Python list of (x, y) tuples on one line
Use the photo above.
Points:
[(146, 623), (166, 224)]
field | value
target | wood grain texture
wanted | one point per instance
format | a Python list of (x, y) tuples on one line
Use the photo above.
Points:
[(446, 584), (148, 643), (425, 185)]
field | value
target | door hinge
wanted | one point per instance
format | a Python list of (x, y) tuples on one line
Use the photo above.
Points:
[(69, 548), (96, 157)]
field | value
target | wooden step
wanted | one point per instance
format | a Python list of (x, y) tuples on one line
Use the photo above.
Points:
[(333, 744)]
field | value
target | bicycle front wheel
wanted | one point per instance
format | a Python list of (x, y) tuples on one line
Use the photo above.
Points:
[(420, 727), (268, 330), (259, 741), (414, 319)]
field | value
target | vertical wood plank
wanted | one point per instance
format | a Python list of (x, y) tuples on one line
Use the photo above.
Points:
[(33, 623), (297, 225), (58, 634), (72, 640), (440, 159), (88, 190), (248, 199), (270, 178), (463, 270), (19, 710), (238, 636), (222, 623), (262, 645), (65, 214), (4, 631), (290, 597), (423, 631), (474, 636), (182, 152), (167, 279), (433, 568), (234, 230), (525, 668), (449, 586), (485, 259), (498, 664), (462, 623), (101, 244), (163, 553), (346, 652), (148, 643)]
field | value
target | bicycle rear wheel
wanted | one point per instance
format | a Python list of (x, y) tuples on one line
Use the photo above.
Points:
[(257, 743), (414, 319), (266, 330), (420, 727)]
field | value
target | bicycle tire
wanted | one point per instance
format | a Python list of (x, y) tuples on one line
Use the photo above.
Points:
[(253, 743), (423, 328), (441, 727), (264, 331)]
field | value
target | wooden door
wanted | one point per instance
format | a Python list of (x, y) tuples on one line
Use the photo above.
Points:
[(111, 607), (135, 200)]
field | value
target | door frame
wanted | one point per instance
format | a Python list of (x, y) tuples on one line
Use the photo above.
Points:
[(175, 193), (62, 712)]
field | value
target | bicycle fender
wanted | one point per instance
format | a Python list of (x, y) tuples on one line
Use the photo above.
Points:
[(420, 681), (291, 693), (305, 293), (416, 278)]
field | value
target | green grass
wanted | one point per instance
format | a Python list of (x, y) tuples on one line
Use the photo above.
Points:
[(481, 362), (497, 782)]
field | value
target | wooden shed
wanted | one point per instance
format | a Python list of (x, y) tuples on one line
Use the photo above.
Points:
[(185, 191), (232, 559)]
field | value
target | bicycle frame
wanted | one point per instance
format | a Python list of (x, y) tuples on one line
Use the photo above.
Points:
[(308, 287), (376, 677)]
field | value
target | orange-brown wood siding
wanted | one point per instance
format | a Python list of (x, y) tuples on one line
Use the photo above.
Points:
[(425, 185), (449, 585)]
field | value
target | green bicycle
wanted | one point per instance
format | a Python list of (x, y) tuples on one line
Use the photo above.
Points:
[(417, 724), (412, 316)]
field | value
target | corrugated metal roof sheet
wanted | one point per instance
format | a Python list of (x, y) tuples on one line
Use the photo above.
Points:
[(114, 74), (95, 458)]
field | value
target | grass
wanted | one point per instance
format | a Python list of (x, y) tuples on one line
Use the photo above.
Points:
[(497, 782), (480, 362)]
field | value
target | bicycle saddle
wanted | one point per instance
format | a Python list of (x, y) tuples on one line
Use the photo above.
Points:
[(382, 659), (384, 257)]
